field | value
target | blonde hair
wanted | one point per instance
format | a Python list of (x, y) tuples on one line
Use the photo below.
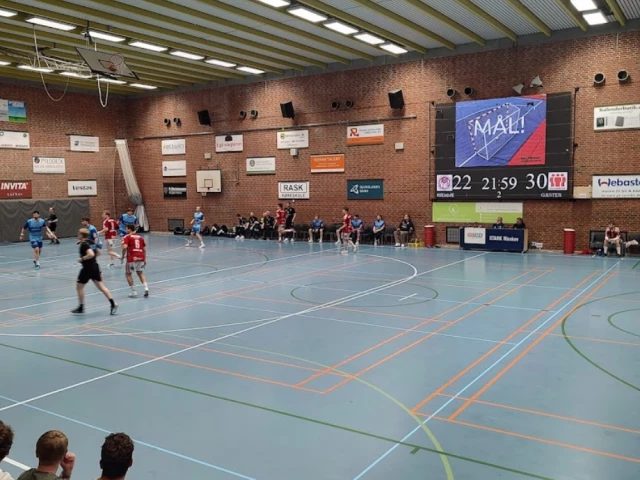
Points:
[(84, 232)]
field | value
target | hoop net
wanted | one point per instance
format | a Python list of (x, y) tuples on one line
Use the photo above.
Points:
[(114, 63)]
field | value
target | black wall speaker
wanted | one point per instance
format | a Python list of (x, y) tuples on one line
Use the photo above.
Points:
[(599, 79), (335, 105), (468, 91), (396, 100), (451, 92), (254, 113), (167, 122), (243, 114), (203, 117), (349, 104), (623, 76), (287, 110)]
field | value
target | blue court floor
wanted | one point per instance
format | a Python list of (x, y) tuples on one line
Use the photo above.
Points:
[(253, 360)]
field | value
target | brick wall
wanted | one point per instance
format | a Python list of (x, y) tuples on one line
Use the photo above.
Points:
[(49, 123)]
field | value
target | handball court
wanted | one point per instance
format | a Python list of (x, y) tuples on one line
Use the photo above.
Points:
[(253, 360)]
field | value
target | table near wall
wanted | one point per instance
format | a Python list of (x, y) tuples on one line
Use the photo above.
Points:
[(494, 239)]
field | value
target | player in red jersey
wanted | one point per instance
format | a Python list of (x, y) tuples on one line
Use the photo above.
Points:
[(345, 231), (134, 246), (110, 232), (281, 219)]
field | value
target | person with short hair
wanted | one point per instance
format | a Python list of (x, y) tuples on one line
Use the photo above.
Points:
[(612, 235), (110, 232), (357, 225), (52, 223), (379, 227), (498, 223), (519, 225), (267, 225), (6, 442), (281, 219), (35, 226), (52, 450), (90, 271), (94, 237), (127, 218), (241, 227), (289, 222), (135, 249), (317, 228), (254, 226), (345, 231), (116, 456), (404, 231), (196, 227)]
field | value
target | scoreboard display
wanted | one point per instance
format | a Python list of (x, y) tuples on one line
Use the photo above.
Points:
[(513, 148)]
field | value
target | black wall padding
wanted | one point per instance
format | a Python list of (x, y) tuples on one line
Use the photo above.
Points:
[(14, 214)]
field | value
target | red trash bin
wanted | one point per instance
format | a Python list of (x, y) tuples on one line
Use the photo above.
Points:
[(429, 236), (569, 241)]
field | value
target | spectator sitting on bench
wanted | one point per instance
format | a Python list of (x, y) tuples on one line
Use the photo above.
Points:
[(268, 224), (404, 231), (612, 236), (378, 230), (254, 226), (356, 226), (317, 228), (241, 227), (499, 223), (519, 225)]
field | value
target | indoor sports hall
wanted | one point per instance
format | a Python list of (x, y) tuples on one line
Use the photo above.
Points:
[(338, 239)]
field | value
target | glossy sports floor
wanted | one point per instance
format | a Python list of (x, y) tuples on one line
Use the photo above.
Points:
[(255, 360)]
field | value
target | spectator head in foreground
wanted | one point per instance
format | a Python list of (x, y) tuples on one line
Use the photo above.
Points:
[(116, 457), (52, 452), (6, 441)]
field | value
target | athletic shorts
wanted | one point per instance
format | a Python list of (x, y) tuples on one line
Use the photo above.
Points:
[(97, 247), (346, 235), (289, 225), (281, 228), (36, 244), (87, 275), (196, 229), (135, 267), (110, 242), (122, 233)]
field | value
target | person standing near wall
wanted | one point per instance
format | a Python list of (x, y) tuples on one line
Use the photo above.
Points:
[(52, 223)]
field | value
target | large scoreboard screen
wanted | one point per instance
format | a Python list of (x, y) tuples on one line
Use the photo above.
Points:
[(505, 148)]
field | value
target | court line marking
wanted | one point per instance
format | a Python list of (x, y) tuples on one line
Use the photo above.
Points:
[(135, 441), (407, 297), (470, 384), (264, 324)]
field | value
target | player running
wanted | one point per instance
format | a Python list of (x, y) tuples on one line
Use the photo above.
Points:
[(345, 231), (196, 227), (94, 238), (90, 271), (281, 218), (126, 219), (135, 248), (35, 226), (110, 232)]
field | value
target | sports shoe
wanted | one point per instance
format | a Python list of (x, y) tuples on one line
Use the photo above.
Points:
[(375, 243), (78, 311), (397, 244), (57, 242), (338, 242), (146, 293), (293, 240), (320, 241), (114, 309), (344, 252), (310, 241), (286, 240), (356, 247), (402, 246), (201, 245), (37, 266), (133, 295)]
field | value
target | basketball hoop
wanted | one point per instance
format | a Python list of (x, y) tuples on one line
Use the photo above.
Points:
[(113, 63)]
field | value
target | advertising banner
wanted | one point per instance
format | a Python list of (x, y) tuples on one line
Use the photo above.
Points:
[(11, 189), (16, 140), (616, 117), (365, 135), (82, 188), (175, 146), (13, 111), (293, 190), (84, 143), (176, 168), (476, 212), (261, 166), (234, 144), (365, 189), (327, 163), (174, 190), (615, 186), (292, 139), (49, 165)]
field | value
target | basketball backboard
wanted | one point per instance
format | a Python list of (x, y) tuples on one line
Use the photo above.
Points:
[(208, 181), (106, 63)]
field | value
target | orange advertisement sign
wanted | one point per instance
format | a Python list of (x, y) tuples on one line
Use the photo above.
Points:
[(327, 163), (365, 135)]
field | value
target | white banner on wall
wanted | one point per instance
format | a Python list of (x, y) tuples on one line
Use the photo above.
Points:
[(177, 168), (236, 144), (82, 143), (82, 188), (48, 165), (4, 110), (365, 135), (17, 140), (292, 139), (615, 186), (176, 146), (476, 236), (261, 165), (293, 190), (616, 117)]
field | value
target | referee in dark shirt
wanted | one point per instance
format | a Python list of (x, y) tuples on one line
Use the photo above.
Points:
[(52, 222), (291, 217)]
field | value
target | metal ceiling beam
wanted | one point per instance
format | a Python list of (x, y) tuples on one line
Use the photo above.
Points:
[(188, 69), (281, 26), (442, 18), (358, 22), (488, 19), (71, 55), (617, 12), (8, 72), (529, 16), (250, 43), (571, 11), (54, 6)]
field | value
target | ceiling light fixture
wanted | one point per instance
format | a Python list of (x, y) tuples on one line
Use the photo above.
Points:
[(104, 36), (221, 63), (393, 48), (187, 55), (595, 18), (111, 80), (340, 27), (4, 63), (45, 22), (255, 71), (306, 14), (368, 38), (75, 75), (147, 46), (7, 13), (35, 69), (276, 3), (584, 5), (144, 87)]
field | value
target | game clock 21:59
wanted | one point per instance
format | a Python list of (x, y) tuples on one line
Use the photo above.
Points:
[(525, 184)]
